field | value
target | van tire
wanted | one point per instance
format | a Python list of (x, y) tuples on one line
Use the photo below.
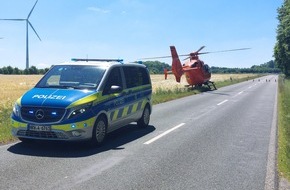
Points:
[(99, 131), (144, 120)]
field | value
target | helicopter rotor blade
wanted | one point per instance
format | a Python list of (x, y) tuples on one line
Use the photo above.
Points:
[(224, 51), (162, 57), (197, 53), (186, 58), (183, 55), (200, 49)]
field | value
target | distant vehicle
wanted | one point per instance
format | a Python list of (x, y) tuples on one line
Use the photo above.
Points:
[(84, 100), (196, 72)]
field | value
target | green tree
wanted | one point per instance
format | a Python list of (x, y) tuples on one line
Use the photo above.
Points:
[(282, 46), (156, 67), (16, 71), (33, 70), (5, 70), (10, 70)]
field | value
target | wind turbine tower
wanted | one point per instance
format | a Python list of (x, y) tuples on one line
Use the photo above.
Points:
[(28, 23)]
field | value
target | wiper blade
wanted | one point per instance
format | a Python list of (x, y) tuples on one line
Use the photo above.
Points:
[(56, 86)]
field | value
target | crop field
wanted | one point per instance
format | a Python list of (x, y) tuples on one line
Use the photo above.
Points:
[(13, 86)]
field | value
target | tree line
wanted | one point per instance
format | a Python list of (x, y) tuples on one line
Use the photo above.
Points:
[(16, 71), (268, 67), (156, 67), (282, 46)]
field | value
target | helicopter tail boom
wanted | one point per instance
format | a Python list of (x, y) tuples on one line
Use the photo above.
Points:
[(176, 64)]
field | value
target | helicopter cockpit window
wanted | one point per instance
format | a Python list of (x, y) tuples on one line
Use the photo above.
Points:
[(193, 65), (206, 68)]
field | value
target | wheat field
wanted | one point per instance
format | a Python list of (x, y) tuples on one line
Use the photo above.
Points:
[(13, 86)]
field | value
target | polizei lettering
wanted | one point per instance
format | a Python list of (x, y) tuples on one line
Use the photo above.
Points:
[(52, 97)]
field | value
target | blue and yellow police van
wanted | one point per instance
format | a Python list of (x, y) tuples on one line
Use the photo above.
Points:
[(84, 100)]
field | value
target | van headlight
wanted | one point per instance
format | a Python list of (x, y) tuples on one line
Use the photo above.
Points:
[(16, 110), (79, 110)]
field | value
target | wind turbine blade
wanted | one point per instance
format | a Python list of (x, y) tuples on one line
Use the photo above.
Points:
[(31, 10), (33, 30), (14, 19)]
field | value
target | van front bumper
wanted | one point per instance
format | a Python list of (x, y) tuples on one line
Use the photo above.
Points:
[(68, 132)]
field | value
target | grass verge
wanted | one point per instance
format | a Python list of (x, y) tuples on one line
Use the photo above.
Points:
[(284, 127), (5, 129)]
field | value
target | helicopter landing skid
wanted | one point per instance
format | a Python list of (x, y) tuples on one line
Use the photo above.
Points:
[(209, 84)]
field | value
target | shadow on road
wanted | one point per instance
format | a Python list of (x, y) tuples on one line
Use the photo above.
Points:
[(114, 141), (219, 93)]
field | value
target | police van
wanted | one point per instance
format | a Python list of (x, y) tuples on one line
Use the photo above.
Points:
[(84, 100)]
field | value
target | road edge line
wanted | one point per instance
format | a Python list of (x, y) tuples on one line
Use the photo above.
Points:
[(271, 179)]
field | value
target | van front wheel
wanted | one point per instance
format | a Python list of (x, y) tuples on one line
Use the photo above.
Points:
[(144, 120), (100, 131)]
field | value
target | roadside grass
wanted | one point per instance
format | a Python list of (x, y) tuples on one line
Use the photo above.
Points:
[(284, 127), (5, 129)]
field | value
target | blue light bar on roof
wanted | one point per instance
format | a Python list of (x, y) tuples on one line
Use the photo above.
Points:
[(101, 60)]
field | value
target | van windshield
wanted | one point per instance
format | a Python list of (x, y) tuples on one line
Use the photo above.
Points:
[(72, 76)]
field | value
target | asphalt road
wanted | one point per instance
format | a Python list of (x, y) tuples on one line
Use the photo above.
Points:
[(222, 139)]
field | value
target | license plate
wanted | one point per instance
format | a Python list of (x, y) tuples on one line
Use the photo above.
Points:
[(39, 128)]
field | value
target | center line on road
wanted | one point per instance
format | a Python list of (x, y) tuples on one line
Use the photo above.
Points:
[(164, 133), (238, 94), (222, 102)]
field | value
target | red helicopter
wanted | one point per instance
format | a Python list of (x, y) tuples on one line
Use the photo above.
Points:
[(196, 72)]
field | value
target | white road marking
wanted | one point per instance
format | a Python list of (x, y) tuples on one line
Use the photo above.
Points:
[(164, 133), (222, 102), (238, 94), (271, 175)]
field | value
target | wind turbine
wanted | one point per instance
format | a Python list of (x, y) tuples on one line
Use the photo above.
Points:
[(27, 24)]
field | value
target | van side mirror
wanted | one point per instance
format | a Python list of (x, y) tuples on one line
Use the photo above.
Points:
[(115, 89)]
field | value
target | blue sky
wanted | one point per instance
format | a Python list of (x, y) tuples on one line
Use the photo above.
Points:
[(133, 29)]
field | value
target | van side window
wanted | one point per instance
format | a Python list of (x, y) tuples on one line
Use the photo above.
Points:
[(114, 79), (136, 76)]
